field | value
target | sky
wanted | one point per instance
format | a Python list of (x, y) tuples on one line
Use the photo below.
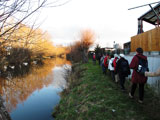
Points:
[(109, 19)]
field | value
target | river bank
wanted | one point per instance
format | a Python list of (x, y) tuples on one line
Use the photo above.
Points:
[(4, 115), (92, 95)]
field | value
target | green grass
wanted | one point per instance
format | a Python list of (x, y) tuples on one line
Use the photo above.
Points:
[(96, 97)]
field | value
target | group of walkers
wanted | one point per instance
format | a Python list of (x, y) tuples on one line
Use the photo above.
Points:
[(119, 68)]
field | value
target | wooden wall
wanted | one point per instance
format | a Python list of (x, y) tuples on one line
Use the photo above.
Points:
[(149, 41)]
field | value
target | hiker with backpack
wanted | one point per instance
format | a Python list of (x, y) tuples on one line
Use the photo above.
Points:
[(106, 61), (94, 58), (139, 64), (114, 64), (123, 70), (99, 58), (102, 60), (102, 64), (111, 68)]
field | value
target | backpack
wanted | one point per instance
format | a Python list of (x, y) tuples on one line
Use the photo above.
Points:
[(107, 61), (124, 67), (102, 60), (142, 66), (114, 62)]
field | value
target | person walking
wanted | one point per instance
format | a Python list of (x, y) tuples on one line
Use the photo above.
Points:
[(102, 59), (138, 78), (111, 68), (102, 63), (114, 65), (105, 62), (99, 58), (122, 68), (94, 58)]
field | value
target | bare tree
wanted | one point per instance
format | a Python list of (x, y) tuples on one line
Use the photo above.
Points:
[(87, 39), (79, 49), (14, 12)]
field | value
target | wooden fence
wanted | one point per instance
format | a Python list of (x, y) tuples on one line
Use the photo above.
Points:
[(149, 41)]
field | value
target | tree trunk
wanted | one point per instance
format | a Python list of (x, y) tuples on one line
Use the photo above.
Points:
[(85, 55)]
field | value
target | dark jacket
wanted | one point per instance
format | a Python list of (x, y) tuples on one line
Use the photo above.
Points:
[(119, 68), (136, 77)]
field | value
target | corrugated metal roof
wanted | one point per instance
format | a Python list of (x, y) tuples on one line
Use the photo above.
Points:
[(150, 16)]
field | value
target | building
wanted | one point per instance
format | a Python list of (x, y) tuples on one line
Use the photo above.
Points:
[(127, 47), (149, 40)]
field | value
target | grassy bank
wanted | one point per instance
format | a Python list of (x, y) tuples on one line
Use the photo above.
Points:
[(94, 96)]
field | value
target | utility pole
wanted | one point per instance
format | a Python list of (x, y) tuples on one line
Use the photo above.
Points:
[(143, 5)]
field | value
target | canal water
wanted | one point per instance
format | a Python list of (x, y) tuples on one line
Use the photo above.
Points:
[(34, 96)]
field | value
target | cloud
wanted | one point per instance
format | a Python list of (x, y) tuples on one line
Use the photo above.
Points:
[(111, 20)]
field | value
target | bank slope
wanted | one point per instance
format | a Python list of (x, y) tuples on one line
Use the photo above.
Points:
[(94, 96)]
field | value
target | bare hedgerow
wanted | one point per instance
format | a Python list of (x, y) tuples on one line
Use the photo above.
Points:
[(79, 49)]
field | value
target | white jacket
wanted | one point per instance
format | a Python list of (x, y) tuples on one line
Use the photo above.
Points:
[(110, 67)]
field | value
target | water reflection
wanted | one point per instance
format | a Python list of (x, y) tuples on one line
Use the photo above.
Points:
[(59, 73), (19, 89)]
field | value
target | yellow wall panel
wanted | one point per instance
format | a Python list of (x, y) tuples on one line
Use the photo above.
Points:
[(149, 41)]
